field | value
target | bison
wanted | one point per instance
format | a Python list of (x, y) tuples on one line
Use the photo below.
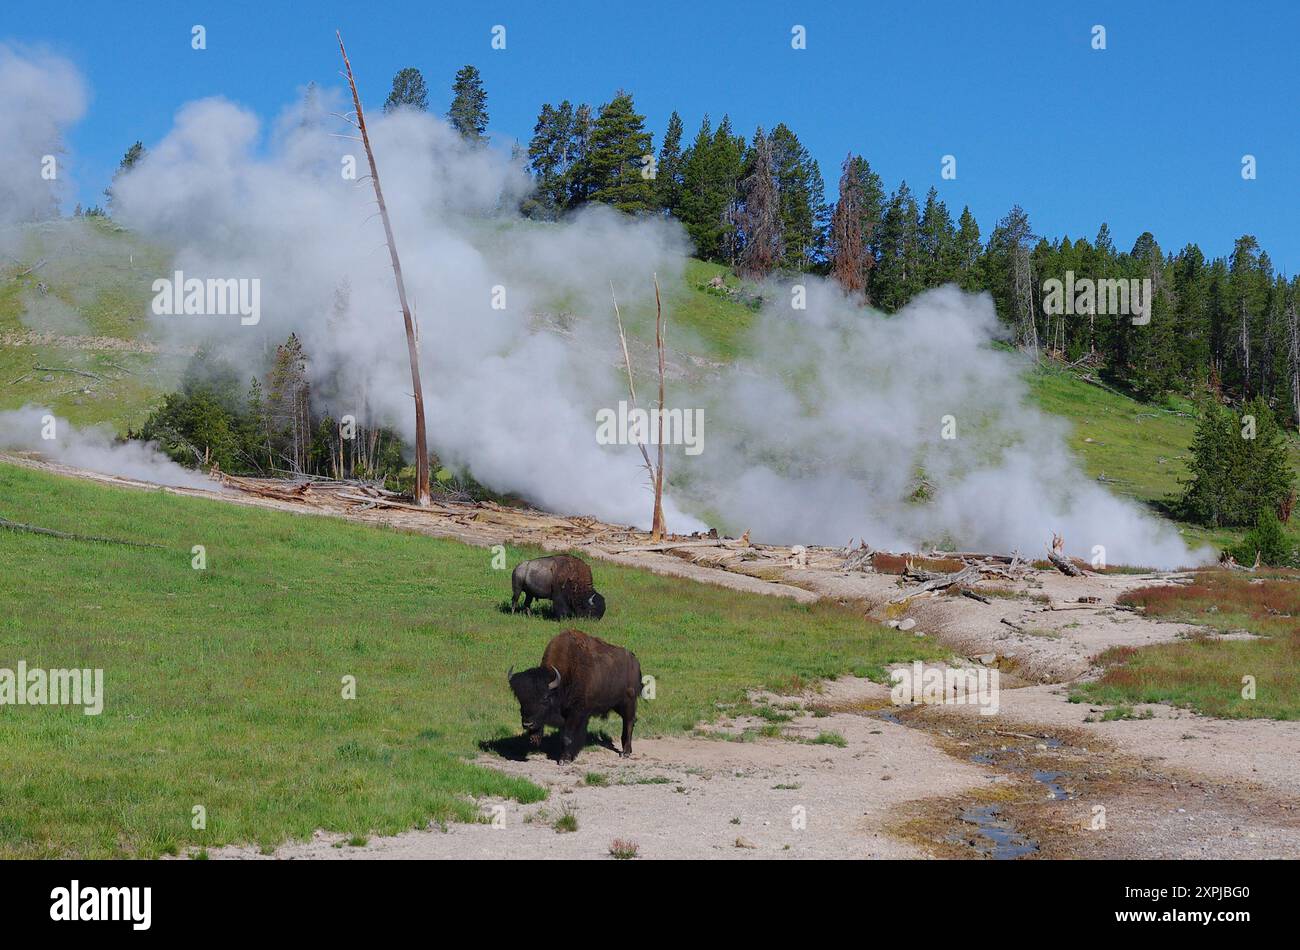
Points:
[(564, 580), (580, 677)]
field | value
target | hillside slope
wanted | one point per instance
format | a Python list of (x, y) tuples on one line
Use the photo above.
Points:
[(75, 336)]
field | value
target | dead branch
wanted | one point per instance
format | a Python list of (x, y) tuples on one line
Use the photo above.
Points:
[(859, 560), (631, 387), (35, 267)]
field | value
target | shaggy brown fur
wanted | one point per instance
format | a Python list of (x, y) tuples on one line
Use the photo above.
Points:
[(595, 678)]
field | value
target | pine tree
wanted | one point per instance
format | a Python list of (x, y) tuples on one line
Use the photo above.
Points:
[(1248, 281), (802, 196), (1103, 266), (711, 171), (133, 156), (1189, 280), (760, 214), (699, 208), (729, 164), (577, 181), (1152, 359), (409, 89), (1010, 275), (938, 242), (549, 158), (1293, 348), (1239, 468), (854, 224), (259, 426), (966, 251), (468, 113), (668, 173), (288, 402), (898, 275), (613, 169)]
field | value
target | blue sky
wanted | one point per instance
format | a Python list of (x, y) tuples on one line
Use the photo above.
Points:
[(1148, 134)]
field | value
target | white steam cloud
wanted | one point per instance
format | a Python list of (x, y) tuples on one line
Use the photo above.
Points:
[(830, 429), (856, 445), (95, 449), (41, 95)]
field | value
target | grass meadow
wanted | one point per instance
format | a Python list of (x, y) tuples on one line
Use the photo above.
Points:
[(1206, 674), (224, 686)]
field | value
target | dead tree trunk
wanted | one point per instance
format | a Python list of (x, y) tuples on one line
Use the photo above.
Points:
[(412, 349), (656, 473), (1056, 554), (657, 528)]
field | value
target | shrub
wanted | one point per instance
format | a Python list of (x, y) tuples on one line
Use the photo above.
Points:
[(1269, 540)]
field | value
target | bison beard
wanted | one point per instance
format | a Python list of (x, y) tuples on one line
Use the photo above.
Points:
[(579, 677)]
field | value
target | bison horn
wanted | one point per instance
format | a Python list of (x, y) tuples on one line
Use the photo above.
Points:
[(557, 679), (510, 674)]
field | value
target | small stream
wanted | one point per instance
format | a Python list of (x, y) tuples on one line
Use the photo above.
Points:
[(1000, 839), (995, 835)]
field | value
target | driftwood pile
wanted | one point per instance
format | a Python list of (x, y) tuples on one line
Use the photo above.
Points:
[(527, 525)]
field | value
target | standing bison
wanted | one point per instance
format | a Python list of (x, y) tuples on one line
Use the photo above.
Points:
[(563, 580), (580, 677)]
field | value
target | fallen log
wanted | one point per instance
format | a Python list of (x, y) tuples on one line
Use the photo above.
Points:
[(1060, 562), (965, 575), (299, 493), (18, 526), (671, 545), (65, 369), (973, 556)]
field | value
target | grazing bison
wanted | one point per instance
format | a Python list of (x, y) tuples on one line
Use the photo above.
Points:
[(580, 677), (563, 580)]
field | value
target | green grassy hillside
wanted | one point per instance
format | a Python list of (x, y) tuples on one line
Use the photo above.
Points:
[(74, 296), (223, 686)]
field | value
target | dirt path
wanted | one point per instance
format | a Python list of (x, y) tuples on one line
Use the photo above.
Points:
[(908, 781), (701, 798)]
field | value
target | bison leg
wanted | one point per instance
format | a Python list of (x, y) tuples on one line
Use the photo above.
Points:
[(575, 736), (528, 603), (628, 712), (560, 606)]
